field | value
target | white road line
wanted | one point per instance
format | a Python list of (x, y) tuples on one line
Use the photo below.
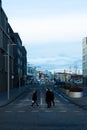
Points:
[(56, 100), (48, 111), (76, 111), (34, 111), (41, 101), (62, 111), (25, 100), (8, 111), (21, 111)]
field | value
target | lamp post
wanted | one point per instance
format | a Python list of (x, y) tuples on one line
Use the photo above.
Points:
[(8, 72), (8, 85)]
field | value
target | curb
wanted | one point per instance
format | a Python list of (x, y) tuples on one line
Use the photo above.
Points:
[(71, 100), (12, 99)]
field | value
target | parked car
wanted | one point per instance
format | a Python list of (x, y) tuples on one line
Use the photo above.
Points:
[(78, 81)]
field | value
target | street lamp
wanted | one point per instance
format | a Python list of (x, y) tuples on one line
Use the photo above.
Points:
[(8, 85)]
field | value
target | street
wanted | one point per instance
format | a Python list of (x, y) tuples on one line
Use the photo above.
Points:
[(20, 115)]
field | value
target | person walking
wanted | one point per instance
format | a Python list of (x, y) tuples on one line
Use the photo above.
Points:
[(48, 99), (34, 98), (52, 97)]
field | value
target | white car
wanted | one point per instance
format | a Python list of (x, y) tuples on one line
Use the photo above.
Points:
[(78, 81)]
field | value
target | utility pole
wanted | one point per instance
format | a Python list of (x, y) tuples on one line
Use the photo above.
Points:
[(8, 72)]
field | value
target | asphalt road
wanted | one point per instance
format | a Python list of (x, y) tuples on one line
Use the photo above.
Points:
[(20, 115)]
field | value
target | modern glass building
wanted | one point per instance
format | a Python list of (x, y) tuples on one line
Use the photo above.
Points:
[(84, 59)]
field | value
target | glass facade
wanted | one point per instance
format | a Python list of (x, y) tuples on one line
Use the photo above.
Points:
[(84, 56)]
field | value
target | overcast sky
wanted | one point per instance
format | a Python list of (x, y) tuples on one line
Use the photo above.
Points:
[(51, 30)]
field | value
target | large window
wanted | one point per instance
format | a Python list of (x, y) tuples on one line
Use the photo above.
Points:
[(1, 39)]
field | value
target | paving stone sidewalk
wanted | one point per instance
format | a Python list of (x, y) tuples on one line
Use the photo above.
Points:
[(81, 102), (13, 94)]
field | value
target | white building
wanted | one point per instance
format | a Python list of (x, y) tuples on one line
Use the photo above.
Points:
[(84, 59)]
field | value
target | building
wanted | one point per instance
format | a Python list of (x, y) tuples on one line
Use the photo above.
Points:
[(84, 59), (0, 3), (62, 76), (24, 65), (10, 55), (12, 63), (18, 60), (4, 40), (31, 73)]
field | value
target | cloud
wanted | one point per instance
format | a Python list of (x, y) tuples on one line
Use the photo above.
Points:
[(58, 29), (55, 56), (51, 31), (54, 50), (57, 63), (53, 43)]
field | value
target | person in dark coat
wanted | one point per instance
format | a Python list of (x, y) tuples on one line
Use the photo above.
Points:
[(34, 98), (48, 99), (52, 97)]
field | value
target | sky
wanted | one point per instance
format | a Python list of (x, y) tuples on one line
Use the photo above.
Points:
[(51, 31)]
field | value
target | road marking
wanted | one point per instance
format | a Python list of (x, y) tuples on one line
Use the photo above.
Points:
[(44, 109), (21, 111), (76, 111), (34, 111), (62, 111), (8, 111), (48, 111), (41, 101), (56, 100), (25, 100)]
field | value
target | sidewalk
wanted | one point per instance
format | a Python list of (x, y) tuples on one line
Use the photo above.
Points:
[(81, 102), (13, 94)]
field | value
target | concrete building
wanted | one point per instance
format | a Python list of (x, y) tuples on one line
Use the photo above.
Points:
[(84, 59), (63, 77)]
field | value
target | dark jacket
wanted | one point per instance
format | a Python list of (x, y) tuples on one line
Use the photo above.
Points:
[(51, 95), (34, 96), (47, 96)]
